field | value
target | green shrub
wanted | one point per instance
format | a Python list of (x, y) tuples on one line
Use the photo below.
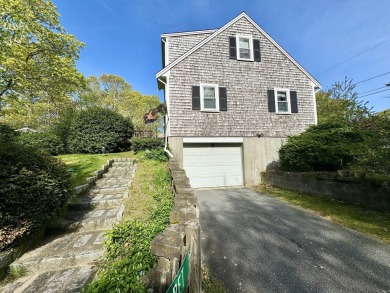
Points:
[(7, 133), (34, 188), (376, 157), (157, 155), (95, 128), (43, 140), (146, 143), (62, 127), (321, 148)]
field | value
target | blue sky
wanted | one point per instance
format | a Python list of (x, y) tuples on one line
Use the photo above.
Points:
[(331, 39)]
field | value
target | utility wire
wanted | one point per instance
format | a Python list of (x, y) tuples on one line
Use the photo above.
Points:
[(353, 57), (371, 78), (374, 93), (373, 90)]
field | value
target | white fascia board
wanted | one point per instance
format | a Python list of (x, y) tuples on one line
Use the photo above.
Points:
[(213, 139), (179, 34), (217, 32)]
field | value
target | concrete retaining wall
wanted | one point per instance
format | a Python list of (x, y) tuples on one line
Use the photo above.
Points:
[(352, 190), (182, 235)]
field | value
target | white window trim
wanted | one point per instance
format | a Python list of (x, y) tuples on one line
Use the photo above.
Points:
[(276, 90), (202, 108), (250, 47)]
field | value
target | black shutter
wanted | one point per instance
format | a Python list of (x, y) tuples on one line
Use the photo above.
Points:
[(271, 101), (294, 101), (232, 48), (196, 98), (222, 99), (256, 50)]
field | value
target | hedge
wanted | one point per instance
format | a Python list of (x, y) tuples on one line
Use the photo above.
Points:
[(95, 128), (146, 143), (43, 140), (326, 147), (34, 188)]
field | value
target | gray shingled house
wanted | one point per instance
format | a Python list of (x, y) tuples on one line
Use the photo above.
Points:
[(233, 95)]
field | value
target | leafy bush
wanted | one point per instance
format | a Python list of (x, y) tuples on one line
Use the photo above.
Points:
[(7, 133), (157, 155), (43, 140), (321, 148), (376, 155), (34, 187), (62, 127), (146, 143), (95, 128)]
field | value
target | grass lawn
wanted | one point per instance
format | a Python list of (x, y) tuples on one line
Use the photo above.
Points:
[(374, 223), (85, 165)]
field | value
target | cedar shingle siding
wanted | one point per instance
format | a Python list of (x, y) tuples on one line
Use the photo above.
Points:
[(246, 87)]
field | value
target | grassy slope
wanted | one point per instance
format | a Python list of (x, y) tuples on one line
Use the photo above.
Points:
[(374, 223), (128, 254), (85, 165)]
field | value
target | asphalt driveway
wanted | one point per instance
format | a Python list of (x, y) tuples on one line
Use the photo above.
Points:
[(255, 243)]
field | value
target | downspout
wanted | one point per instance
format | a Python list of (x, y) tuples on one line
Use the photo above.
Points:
[(165, 128)]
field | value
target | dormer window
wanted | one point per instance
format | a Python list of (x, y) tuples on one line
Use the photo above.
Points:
[(245, 48)]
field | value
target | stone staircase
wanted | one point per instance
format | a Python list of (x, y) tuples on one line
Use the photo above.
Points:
[(65, 261)]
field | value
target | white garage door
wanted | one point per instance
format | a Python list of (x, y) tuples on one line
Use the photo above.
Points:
[(212, 165)]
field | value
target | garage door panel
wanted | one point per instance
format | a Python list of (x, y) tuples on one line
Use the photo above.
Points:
[(212, 165)]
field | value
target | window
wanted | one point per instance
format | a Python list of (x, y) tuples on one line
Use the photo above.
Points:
[(244, 48), (209, 97), (282, 101)]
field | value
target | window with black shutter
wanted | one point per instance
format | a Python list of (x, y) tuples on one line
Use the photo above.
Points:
[(282, 101), (209, 98), (244, 48)]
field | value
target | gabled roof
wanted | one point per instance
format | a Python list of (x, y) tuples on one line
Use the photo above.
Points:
[(217, 32)]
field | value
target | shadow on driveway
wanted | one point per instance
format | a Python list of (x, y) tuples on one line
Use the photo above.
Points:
[(255, 243)]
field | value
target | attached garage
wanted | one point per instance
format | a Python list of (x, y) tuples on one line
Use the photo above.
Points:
[(213, 164)]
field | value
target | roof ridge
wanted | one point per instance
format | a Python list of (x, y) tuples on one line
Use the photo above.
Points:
[(220, 30)]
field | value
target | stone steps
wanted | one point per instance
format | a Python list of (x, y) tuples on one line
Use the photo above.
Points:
[(64, 251), (111, 182), (82, 220), (65, 262), (108, 190), (70, 280)]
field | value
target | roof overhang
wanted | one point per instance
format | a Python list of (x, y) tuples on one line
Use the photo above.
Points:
[(161, 82)]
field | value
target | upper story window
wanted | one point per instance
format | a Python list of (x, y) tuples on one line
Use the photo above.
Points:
[(209, 97), (245, 48)]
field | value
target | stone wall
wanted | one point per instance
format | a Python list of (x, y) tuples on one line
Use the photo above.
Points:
[(352, 190), (181, 235)]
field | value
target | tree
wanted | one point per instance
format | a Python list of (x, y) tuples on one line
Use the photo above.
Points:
[(114, 93), (341, 104), (37, 56)]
